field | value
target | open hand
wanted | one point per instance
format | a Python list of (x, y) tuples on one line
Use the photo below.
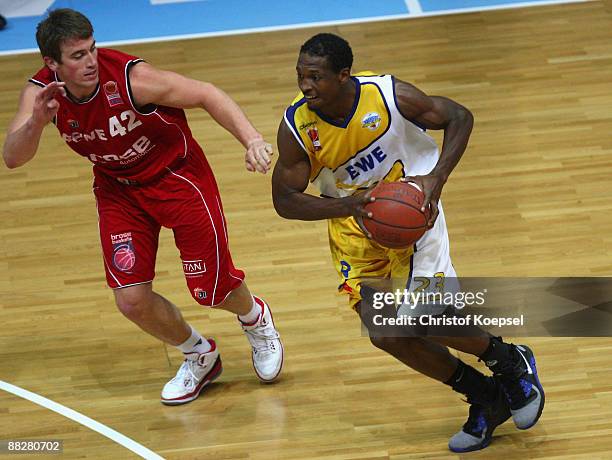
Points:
[(46, 104)]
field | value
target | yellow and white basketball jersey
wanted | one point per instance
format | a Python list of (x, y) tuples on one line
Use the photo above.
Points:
[(375, 142)]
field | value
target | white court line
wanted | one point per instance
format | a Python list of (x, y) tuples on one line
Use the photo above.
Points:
[(414, 7), (82, 419), (308, 25)]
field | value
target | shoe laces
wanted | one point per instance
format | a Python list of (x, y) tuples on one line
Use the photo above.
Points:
[(186, 376), (476, 422), (510, 375), (263, 338)]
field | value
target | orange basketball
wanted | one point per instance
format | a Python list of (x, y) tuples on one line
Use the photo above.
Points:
[(397, 221)]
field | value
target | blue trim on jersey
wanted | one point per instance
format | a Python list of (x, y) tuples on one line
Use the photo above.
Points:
[(290, 115), (382, 95), (400, 112), (349, 117)]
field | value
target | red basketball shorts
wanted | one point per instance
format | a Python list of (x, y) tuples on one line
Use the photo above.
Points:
[(186, 200)]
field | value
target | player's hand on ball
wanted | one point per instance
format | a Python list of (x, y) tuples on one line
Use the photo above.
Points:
[(356, 204), (258, 156), (431, 185)]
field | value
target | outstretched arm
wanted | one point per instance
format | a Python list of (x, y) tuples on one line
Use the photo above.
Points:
[(434, 112), (153, 86), (37, 107), (290, 179)]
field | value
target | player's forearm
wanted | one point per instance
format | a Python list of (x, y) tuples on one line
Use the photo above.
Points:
[(21, 145), (456, 137), (228, 114), (302, 206)]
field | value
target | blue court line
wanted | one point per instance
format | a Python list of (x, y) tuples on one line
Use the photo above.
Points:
[(121, 21)]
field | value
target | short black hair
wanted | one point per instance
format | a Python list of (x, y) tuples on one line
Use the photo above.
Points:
[(336, 49), (61, 25)]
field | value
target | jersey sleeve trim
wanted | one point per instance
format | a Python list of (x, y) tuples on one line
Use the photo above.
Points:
[(37, 82), (149, 108), (290, 121)]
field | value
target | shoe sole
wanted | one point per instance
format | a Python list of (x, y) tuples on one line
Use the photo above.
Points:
[(531, 359), (214, 373), (484, 444)]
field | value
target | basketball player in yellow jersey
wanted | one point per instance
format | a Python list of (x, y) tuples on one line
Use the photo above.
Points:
[(346, 133)]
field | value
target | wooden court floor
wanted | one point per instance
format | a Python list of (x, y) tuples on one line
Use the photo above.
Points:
[(531, 197)]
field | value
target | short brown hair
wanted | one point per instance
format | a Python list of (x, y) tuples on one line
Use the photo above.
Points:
[(61, 25)]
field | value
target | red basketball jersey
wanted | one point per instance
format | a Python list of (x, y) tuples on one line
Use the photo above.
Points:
[(120, 139)]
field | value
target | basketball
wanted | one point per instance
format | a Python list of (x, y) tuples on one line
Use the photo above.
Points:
[(397, 221)]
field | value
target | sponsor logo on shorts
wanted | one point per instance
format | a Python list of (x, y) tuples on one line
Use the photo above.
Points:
[(121, 238), (371, 121), (199, 293), (194, 268), (124, 256)]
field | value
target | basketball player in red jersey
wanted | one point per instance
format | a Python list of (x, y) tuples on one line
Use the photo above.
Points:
[(127, 118)]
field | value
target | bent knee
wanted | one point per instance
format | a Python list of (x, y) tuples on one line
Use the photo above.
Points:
[(131, 303)]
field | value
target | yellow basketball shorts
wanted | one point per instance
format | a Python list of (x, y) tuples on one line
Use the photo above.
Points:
[(355, 257)]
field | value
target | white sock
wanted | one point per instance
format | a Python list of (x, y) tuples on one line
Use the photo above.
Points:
[(251, 316), (195, 343)]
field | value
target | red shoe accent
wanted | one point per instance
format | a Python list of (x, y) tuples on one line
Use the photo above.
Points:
[(207, 380)]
